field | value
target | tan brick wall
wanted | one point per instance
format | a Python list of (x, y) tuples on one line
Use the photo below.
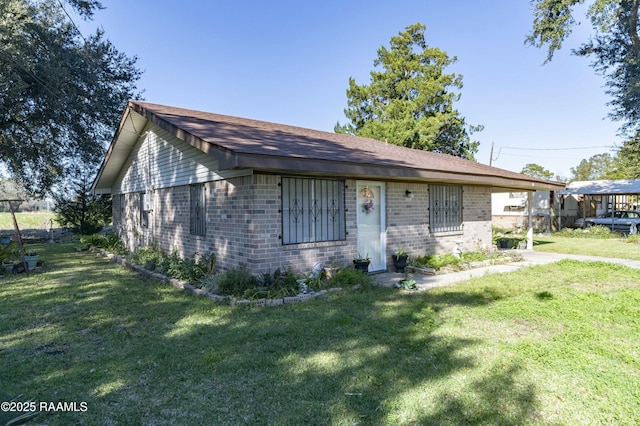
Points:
[(477, 218), (244, 224), (265, 232), (408, 221)]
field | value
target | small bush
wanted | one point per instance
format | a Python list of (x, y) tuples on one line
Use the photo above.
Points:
[(234, 282), (188, 269), (349, 277), (109, 241), (151, 258), (239, 282), (8, 252), (437, 261)]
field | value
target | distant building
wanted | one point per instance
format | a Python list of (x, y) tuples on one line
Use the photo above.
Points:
[(578, 199), (510, 210), (597, 197)]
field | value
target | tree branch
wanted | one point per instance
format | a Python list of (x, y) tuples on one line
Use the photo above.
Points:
[(633, 27)]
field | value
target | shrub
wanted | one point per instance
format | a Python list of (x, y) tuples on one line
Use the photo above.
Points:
[(190, 269), (110, 241), (8, 252), (349, 277), (187, 269), (239, 282), (437, 261), (234, 282), (149, 257)]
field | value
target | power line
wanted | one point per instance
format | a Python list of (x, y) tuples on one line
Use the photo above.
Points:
[(557, 149), (539, 156), (72, 21)]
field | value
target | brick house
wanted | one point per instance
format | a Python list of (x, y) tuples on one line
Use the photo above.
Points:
[(269, 195)]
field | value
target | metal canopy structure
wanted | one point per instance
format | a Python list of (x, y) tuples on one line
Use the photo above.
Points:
[(611, 189), (603, 187)]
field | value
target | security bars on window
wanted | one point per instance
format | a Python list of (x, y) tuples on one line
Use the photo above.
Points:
[(445, 208), (312, 210), (197, 207), (144, 213)]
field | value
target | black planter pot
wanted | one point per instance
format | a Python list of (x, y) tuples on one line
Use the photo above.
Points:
[(400, 262), (361, 265)]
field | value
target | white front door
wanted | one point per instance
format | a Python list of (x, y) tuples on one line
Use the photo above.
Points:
[(371, 223)]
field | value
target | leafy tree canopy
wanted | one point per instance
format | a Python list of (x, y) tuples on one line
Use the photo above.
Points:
[(599, 166), (536, 171), (410, 99), (615, 47), (61, 94), (629, 158)]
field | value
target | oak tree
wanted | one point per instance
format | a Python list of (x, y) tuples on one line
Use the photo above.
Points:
[(614, 47), (61, 93)]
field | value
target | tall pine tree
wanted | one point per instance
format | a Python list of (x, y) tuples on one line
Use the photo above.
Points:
[(410, 99)]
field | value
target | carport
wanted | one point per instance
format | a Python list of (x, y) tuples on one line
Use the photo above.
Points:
[(618, 194)]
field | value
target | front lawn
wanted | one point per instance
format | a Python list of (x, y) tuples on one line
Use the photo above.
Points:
[(553, 344), (622, 247), (27, 220)]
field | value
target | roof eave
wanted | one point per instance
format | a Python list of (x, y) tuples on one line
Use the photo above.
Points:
[(99, 186), (360, 171)]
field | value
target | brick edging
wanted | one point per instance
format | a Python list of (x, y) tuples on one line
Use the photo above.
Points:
[(183, 285)]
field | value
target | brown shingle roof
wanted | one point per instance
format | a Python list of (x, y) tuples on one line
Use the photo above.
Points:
[(244, 143)]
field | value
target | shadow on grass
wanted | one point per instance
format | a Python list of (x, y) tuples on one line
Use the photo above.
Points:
[(140, 351)]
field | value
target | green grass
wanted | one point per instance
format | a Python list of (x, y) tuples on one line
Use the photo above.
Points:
[(452, 262), (609, 247), (26, 220), (553, 344)]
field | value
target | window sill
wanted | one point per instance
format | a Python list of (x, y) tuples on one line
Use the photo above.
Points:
[(302, 246), (446, 233)]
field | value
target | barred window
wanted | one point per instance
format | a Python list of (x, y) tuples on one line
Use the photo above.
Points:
[(197, 203), (312, 210), (123, 208), (144, 210), (445, 208)]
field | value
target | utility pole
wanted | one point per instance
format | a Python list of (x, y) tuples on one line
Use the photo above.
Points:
[(491, 155)]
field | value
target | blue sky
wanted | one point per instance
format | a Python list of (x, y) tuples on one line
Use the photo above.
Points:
[(289, 62)]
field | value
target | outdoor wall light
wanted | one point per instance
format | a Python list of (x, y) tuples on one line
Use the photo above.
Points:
[(408, 193)]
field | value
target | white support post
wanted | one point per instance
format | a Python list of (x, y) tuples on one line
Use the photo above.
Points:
[(560, 199), (530, 227)]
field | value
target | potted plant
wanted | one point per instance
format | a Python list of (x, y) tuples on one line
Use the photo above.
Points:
[(31, 259), (400, 260), (362, 263), (407, 283), (7, 255)]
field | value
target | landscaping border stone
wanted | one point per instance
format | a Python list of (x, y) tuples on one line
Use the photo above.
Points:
[(183, 285)]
